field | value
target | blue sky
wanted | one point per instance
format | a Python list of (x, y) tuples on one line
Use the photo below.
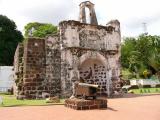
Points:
[(130, 13)]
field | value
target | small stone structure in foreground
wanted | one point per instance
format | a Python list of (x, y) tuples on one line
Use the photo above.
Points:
[(80, 104), (85, 98)]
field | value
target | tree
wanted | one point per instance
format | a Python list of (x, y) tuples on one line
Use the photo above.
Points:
[(127, 47), (141, 55), (41, 30), (9, 39)]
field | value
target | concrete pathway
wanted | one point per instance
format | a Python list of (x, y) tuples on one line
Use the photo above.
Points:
[(133, 108)]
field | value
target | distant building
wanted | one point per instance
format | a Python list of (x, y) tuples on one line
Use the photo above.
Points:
[(6, 78)]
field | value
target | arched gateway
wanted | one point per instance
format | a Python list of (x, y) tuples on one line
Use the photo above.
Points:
[(94, 69)]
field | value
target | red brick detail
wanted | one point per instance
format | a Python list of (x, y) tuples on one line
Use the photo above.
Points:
[(80, 104)]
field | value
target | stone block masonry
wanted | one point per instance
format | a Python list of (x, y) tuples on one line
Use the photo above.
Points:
[(53, 64), (79, 50), (33, 75), (34, 67), (90, 52), (18, 69), (80, 104)]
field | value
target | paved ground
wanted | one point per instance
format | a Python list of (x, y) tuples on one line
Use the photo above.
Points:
[(135, 108)]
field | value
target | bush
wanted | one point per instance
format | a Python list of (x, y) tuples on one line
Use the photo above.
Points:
[(146, 86), (145, 91), (157, 90), (158, 86), (10, 91), (134, 87), (141, 91)]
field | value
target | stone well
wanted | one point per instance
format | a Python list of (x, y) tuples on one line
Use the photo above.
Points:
[(81, 104)]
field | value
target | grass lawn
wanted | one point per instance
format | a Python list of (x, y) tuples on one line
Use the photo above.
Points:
[(10, 101), (146, 90)]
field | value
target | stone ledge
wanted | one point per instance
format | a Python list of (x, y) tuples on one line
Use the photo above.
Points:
[(80, 104)]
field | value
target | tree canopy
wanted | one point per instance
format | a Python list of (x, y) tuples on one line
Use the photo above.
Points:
[(9, 39), (41, 30), (141, 55)]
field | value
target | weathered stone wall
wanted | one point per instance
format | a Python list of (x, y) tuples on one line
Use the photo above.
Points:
[(94, 72), (76, 34), (79, 51), (18, 68), (81, 42), (66, 69), (53, 65), (37, 66), (34, 68)]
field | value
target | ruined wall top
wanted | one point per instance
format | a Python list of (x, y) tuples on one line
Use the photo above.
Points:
[(73, 23), (82, 14)]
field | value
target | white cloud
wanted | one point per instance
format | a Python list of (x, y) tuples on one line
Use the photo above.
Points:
[(131, 13)]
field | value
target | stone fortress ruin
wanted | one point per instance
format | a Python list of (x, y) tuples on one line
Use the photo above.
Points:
[(79, 51)]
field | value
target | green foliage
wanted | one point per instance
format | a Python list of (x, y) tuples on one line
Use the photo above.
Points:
[(127, 74), (9, 39), (141, 55), (127, 47), (146, 90), (41, 30)]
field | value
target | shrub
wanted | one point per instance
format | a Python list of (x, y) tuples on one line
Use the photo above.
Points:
[(141, 91), (158, 86), (146, 86), (157, 90), (134, 87), (145, 91), (10, 91)]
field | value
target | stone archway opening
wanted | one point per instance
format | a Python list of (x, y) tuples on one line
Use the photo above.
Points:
[(87, 15), (93, 71)]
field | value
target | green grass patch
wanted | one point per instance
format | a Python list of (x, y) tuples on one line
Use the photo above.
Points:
[(10, 101), (146, 90)]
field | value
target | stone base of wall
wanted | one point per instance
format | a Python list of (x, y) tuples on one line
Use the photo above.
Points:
[(80, 104)]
